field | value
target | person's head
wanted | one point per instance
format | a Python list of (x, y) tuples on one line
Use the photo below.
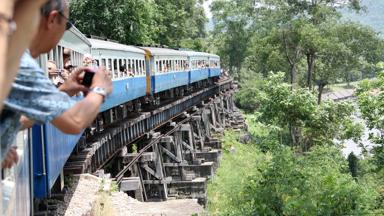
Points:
[(66, 56), (87, 60), (52, 67), (53, 23), (65, 74)]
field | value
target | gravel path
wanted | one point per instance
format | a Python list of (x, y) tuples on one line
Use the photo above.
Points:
[(127, 206), (80, 197)]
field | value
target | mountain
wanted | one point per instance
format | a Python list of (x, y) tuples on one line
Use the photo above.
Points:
[(373, 16)]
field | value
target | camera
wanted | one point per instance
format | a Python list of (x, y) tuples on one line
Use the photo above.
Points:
[(88, 77)]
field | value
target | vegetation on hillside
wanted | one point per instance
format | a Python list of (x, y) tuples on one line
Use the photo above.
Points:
[(284, 53), (273, 175), (307, 40)]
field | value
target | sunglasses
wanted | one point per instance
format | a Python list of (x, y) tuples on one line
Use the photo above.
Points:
[(69, 24)]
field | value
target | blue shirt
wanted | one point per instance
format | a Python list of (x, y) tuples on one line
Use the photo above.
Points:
[(33, 95)]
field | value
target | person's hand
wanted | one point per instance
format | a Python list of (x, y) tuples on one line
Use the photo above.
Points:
[(10, 159), (73, 85), (103, 80)]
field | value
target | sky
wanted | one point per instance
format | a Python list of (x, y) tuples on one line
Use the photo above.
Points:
[(207, 10)]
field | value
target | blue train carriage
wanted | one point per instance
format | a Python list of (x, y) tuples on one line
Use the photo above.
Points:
[(199, 66), (167, 69), (128, 69), (214, 66), (51, 147)]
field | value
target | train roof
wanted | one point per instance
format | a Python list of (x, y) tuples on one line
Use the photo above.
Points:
[(156, 51), (109, 45), (200, 54)]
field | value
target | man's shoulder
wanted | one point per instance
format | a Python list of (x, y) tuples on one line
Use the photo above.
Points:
[(29, 64), (30, 71)]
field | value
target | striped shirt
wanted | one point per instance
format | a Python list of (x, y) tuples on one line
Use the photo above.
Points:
[(34, 95)]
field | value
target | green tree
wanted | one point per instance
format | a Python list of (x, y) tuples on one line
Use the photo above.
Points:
[(297, 114), (150, 22)]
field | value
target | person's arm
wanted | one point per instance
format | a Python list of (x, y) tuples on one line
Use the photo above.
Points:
[(80, 116)]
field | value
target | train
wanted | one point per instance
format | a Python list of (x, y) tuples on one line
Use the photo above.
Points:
[(142, 76)]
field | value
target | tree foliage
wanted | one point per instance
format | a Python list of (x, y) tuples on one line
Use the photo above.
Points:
[(297, 114), (162, 22), (371, 101), (282, 182)]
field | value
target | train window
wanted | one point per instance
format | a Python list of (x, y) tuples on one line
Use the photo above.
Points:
[(73, 57), (134, 67), (131, 63), (50, 55), (120, 67), (125, 67), (137, 67), (143, 64), (130, 68), (142, 67), (103, 62), (115, 69), (109, 65)]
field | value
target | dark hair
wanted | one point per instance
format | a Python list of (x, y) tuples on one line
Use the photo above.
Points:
[(52, 5)]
